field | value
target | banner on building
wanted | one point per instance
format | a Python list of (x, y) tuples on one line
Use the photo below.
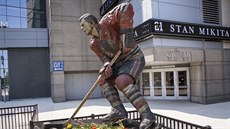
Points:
[(181, 29)]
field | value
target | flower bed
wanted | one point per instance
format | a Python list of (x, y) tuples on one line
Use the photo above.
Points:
[(97, 126), (100, 124)]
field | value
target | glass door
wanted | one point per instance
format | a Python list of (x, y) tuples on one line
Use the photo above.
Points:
[(145, 84), (157, 81), (169, 87), (170, 83), (182, 83)]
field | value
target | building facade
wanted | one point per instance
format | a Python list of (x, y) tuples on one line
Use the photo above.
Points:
[(181, 63), (24, 49), (186, 46)]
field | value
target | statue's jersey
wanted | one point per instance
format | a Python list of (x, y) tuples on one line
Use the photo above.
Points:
[(112, 25)]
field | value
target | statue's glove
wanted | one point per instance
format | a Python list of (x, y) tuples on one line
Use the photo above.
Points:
[(106, 70)]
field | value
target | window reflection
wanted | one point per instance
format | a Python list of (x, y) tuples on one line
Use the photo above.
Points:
[(14, 13), (13, 3), (145, 79), (169, 79), (11, 11), (182, 78), (23, 22), (157, 84), (23, 12), (2, 2), (13, 22), (2, 10), (169, 84), (2, 18), (146, 84), (157, 78), (23, 3), (4, 73)]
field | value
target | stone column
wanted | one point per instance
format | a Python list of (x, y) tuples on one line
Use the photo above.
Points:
[(225, 6), (226, 67), (56, 46), (57, 86), (197, 78)]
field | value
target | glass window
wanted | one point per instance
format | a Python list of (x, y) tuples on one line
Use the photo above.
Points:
[(2, 2), (13, 3), (17, 14), (4, 62), (2, 18), (169, 84), (32, 23), (36, 23), (169, 79), (4, 72), (2, 10), (23, 22), (23, 13), (145, 79), (146, 84), (11, 11), (182, 78), (157, 78), (13, 22), (4, 54), (157, 84), (39, 5), (3, 22), (23, 4), (37, 14)]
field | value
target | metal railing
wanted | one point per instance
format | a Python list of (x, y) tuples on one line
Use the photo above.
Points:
[(18, 117), (165, 122), (171, 123)]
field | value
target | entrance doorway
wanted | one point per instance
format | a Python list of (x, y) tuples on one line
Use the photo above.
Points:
[(170, 83)]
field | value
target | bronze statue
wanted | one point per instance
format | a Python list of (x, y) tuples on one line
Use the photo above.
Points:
[(114, 32)]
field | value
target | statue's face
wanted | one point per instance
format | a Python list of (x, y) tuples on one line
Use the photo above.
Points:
[(86, 27)]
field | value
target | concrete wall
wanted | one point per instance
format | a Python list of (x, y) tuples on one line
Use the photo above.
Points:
[(226, 71), (226, 53), (177, 10), (23, 38), (68, 43), (210, 78)]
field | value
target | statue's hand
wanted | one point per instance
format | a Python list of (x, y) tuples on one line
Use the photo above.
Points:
[(106, 70)]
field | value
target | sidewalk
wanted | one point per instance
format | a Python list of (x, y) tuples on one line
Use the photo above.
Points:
[(215, 115)]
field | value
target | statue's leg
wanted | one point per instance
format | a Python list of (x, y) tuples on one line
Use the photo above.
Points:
[(111, 94), (124, 83)]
